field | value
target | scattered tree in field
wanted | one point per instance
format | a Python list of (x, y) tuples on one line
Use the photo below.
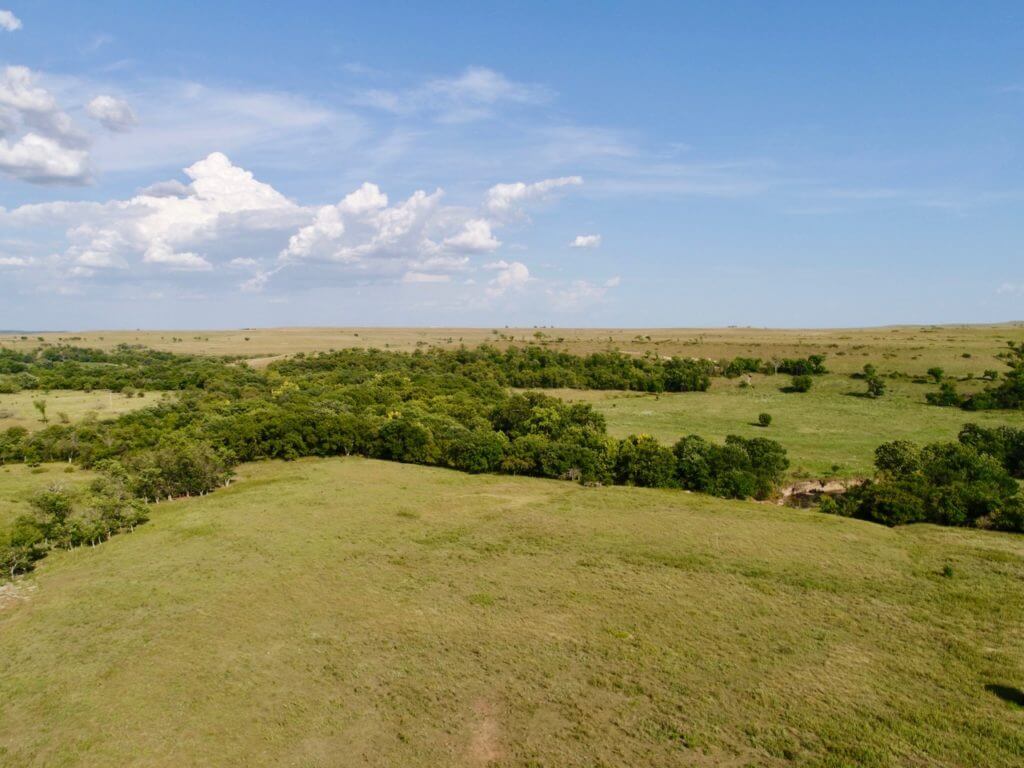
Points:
[(876, 386), (764, 419), (801, 383), (40, 405), (936, 374)]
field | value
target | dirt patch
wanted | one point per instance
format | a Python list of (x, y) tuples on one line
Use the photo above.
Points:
[(809, 492), (484, 743), (14, 593)]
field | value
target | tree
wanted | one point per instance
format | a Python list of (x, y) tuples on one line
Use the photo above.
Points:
[(642, 460), (40, 405), (800, 383), (936, 374), (764, 419), (876, 386)]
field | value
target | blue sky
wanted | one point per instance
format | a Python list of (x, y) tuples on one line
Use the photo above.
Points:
[(642, 164)]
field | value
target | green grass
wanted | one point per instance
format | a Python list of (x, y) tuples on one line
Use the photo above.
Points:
[(830, 425), (18, 410), (351, 612), (18, 482)]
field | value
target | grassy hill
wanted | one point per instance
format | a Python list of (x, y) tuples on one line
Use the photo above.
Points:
[(352, 612)]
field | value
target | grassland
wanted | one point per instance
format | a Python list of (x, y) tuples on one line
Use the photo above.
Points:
[(911, 349), (18, 482), (17, 410), (351, 612), (831, 431)]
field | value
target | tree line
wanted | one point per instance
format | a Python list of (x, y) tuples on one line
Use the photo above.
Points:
[(454, 409), (971, 482)]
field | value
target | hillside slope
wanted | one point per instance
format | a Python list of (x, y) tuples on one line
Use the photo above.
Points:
[(352, 612)]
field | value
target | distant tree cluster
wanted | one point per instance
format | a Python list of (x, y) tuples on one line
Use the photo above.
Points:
[(1008, 394), (971, 482)]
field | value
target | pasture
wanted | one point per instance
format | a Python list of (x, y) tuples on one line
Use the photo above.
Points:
[(18, 410), (831, 431), (348, 611), (960, 349)]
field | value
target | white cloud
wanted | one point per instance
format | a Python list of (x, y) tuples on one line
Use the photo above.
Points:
[(224, 222), (44, 146), (113, 113), (507, 199), (14, 261), (9, 22), (475, 237), (1010, 289), (222, 202), (41, 160), (586, 241), (161, 253), (510, 275)]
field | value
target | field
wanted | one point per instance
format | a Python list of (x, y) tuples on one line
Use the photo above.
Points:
[(910, 349), (336, 612), (831, 431), (18, 410), (18, 482), (346, 611)]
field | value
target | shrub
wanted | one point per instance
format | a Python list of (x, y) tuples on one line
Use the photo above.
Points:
[(801, 383), (764, 419)]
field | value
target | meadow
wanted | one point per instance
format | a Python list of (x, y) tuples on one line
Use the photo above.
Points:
[(63, 406), (349, 611), (18, 482), (830, 432)]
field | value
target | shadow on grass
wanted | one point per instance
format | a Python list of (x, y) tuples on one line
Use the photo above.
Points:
[(1007, 693)]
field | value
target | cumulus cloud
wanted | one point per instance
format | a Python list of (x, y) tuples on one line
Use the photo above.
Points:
[(9, 22), (509, 276), (41, 160), (505, 200), (586, 241), (227, 225), (14, 261), (166, 231), (39, 142), (112, 113), (475, 237)]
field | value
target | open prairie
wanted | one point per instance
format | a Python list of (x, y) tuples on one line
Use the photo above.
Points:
[(346, 611), (960, 349)]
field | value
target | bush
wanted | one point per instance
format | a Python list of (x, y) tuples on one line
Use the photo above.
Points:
[(764, 419), (943, 483), (801, 383), (642, 460)]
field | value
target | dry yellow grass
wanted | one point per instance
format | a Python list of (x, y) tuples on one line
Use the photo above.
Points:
[(911, 348)]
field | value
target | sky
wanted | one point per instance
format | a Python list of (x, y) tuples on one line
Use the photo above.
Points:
[(641, 164)]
